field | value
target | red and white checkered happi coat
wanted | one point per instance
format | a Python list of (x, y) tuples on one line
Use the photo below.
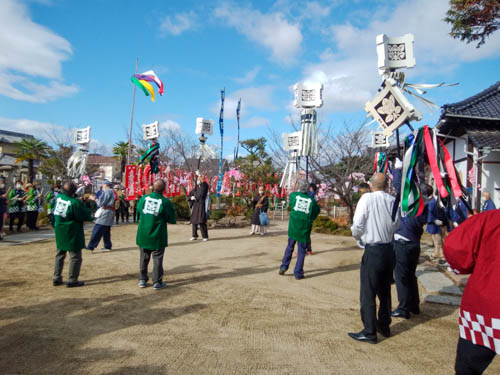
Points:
[(474, 248)]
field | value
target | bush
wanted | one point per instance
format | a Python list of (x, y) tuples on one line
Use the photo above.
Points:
[(323, 224), (236, 211), (217, 214), (181, 207)]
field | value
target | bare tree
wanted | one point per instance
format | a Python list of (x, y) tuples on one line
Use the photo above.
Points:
[(342, 159)]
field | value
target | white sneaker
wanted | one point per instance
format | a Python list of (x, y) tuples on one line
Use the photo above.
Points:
[(261, 233), (205, 239), (252, 233), (193, 239)]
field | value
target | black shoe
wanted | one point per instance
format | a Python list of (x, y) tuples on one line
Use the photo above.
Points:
[(415, 311), (384, 331), (299, 277), (399, 314), (282, 271), (89, 248), (362, 337), (75, 284), (57, 282)]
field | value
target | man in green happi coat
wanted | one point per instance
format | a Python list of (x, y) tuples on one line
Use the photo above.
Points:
[(69, 216), (154, 212), (304, 211)]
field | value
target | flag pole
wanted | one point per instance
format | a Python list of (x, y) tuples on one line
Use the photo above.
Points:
[(132, 117)]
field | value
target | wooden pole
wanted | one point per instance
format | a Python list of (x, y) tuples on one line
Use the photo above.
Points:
[(132, 117)]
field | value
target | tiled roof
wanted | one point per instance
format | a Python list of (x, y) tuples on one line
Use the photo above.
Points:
[(99, 159), (7, 136), (485, 138), (11, 161), (485, 105)]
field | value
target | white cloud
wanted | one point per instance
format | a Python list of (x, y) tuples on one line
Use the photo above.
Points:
[(271, 30), (249, 76), (255, 122), (51, 133), (169, 125), (176, 25), (30, 51), (350, 74), (252, 97), (315, 10)]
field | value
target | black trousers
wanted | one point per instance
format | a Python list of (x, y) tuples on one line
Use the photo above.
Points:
[(376, 276), (20, 220), (407, 254), (157, 264), (203, 229), (75, 264), (31, 218), (472, 359)]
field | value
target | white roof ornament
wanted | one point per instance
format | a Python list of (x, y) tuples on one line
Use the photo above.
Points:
[(82, 136), (395, 52), (380, 140), (308, 95), (391, 109), (150, 131), (204, 126), (292, 141)]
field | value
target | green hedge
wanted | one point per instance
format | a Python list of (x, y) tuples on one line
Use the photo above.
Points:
[(217, 214), (323, 224), (181, 207)]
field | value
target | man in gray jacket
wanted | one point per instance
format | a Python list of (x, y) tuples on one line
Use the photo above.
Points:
[(104, 218)]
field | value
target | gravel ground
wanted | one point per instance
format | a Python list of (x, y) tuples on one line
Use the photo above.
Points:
[(225, 311)]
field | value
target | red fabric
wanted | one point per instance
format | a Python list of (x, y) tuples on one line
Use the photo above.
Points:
[(474, 248), (431, 155), (450, 168)]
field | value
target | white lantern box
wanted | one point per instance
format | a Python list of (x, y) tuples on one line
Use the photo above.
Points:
[(380, 140), (395, 53), (308, 95), (204, 126), (391, 109), (292, 141), (82, 136), (150, 131)]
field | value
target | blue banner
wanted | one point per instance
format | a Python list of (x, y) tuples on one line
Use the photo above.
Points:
[(221, 129), (238, 120)]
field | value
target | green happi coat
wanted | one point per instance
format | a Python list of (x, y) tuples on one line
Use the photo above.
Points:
[(70, 214), (154, 212), (32, 200), (304, 210)]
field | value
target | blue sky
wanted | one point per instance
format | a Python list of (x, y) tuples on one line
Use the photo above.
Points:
[(67, 64)]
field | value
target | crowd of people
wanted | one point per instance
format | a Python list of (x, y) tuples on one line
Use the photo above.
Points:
[(391, 244), (22, 204)]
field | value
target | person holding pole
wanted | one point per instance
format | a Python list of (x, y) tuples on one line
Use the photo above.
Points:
[(69, 216), (304, 211), (373, 229), (155, 212)]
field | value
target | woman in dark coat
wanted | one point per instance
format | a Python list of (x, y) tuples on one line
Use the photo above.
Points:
[(198, 209), (260, 204)]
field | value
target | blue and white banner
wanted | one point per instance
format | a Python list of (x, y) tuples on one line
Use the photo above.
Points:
[(221, 129), (238, 121)]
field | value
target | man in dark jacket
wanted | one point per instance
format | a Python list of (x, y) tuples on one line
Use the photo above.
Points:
[(407, 253), (155, 212), (198, 199)]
